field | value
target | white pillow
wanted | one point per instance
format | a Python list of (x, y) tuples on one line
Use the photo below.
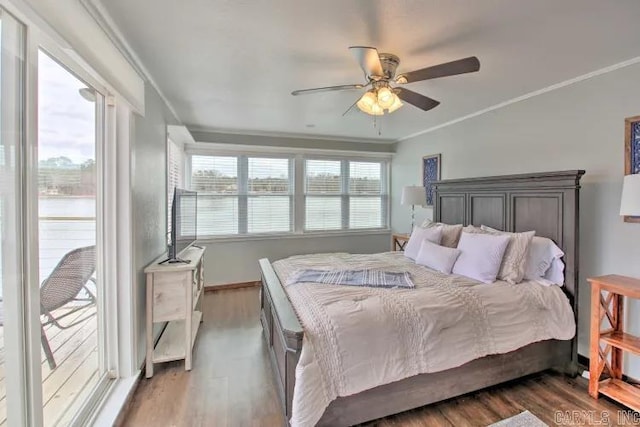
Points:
[(433, 234), (515, 257), (555, 273), (480, 256), (541, 254), (436, 257)]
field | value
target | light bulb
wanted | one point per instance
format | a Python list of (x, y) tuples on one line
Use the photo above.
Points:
[(385, 97), (396, 104), (369, 104), (376, 110), (368, 98), (363, 106)]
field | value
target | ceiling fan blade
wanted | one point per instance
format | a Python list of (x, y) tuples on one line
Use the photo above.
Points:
[(461, 66), (326, 89), (369, 60), (423, 102)]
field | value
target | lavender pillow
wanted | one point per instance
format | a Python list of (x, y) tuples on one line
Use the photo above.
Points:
[(480, 256), (436, 257), (432, 234)]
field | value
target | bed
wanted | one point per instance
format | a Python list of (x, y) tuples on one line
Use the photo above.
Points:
[(544, 202)]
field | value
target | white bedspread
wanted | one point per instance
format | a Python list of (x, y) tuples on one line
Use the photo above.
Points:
[(359, 338)]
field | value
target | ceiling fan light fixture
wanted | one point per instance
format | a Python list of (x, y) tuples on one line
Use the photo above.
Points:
[(368, 99), (369, 104), (385, 97), (396, 104)]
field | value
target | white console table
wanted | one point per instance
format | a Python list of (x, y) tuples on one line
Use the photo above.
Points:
[(174, 295)]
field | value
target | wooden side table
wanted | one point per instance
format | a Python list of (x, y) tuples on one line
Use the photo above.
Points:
[(399, 241), (174, 295), (607, 303)]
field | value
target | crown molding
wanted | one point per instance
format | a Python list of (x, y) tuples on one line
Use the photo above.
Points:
[(526, 96), (274, 134), (107, 24)]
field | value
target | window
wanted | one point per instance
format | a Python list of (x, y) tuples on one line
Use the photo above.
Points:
[(269, 195), (323, 195), (255, 195), (242, 194), (367, 203), (344, 194)]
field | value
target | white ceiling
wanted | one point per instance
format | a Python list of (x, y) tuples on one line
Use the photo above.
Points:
[(230, 65)]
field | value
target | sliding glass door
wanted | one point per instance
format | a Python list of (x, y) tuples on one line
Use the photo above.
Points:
[(57, 351), (70, 117), (13, 366)]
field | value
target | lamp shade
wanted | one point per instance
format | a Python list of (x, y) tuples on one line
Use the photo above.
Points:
[(414, 195), (630, 203)]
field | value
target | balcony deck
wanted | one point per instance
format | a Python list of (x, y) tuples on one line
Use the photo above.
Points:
[(64, 388)]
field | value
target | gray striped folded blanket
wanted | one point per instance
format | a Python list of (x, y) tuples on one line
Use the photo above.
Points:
[(367, 277)]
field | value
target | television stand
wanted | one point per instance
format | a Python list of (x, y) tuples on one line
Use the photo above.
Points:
[(174, 294)]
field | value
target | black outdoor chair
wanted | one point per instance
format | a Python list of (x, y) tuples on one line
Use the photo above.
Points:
[(64, 286)]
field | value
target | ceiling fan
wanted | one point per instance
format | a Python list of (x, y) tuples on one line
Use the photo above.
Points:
[(380, 73)]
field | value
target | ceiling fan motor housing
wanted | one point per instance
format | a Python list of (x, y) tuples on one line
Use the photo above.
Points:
[(389, 63)]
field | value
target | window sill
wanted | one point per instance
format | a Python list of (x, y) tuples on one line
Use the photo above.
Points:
[(305, 235), (114, 402)]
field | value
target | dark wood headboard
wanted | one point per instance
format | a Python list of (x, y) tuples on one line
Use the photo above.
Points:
[(546, 202)]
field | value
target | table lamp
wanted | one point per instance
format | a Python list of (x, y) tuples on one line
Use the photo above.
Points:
[(413, 195), (630, 203)]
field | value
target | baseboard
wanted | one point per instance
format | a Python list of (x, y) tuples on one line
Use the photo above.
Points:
[(124, 410), (228, 286), (584, 361)]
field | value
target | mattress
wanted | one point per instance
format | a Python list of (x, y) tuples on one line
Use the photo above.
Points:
[(358, 338)]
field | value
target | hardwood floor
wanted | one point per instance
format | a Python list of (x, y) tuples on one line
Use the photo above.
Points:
[(231, 385)]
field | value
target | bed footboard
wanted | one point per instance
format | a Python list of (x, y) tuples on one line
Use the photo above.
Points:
[(282, 331)]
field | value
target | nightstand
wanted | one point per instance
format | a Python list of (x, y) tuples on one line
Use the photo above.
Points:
[(399, 241), (607, 302)]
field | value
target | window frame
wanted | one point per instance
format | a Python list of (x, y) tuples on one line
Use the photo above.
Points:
[(298, 157), (243, 194), (345, 194)]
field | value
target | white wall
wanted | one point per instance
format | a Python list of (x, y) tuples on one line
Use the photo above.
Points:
[(576, 127), (237, 261), (149, 186)]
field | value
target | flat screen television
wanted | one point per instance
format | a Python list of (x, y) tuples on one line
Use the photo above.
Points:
[(184, 222)]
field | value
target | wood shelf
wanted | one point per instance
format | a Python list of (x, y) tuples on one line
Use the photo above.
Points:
[(622, 392), (171, 344), (621, 340), (607, 305)]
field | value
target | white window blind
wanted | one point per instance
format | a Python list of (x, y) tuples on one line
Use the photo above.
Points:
[(345, 194), (367, 200), (269, 195), (242, 194), (215, 178), (175, 175), (323, 195)]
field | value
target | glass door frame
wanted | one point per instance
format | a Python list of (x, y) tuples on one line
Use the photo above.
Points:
[(105, 295), (119, 307), (18, 375)]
